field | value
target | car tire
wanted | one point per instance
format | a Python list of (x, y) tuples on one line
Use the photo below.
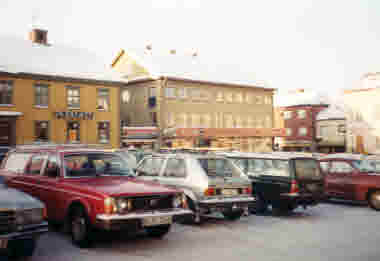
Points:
[(191, 219), (80, 228), (374, 200), (158, 231), (22, 248), (259, 207), (282, 209), (233, 214)]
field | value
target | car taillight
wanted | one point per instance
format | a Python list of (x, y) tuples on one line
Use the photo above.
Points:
[(294, 188), (44, 213), (210, 192), (248, 190)]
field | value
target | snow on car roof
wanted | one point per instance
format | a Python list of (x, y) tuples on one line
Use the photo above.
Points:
[(344, 156), (269, 155)]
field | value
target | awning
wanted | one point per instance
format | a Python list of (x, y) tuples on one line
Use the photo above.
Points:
[(10, 113)]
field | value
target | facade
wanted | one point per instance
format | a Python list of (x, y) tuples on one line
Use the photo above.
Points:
[(362, 111), (297, 111), (55, 104), (331, 129), (191, 111)]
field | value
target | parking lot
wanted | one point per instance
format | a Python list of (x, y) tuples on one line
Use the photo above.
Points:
[(330, 231)]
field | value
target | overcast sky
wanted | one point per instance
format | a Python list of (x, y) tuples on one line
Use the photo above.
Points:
[(316, 44)]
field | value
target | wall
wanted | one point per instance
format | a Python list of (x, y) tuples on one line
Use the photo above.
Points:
[(23, 101), (331, 137)]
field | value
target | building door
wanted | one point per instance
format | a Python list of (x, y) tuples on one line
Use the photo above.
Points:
[(5, 139), (73, 132)]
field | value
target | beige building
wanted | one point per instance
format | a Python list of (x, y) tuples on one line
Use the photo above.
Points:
[(192, 106), (331, 129), (363, 115)]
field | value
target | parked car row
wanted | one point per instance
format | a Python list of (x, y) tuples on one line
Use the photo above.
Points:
[(87, 189)]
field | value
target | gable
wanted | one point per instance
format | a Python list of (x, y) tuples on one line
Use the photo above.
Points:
[(127, 65)]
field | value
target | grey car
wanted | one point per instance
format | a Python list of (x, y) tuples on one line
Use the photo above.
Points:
[(21, 222), (210, 183)]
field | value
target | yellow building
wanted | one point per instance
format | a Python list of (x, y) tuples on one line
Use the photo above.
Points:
[(56, 94)]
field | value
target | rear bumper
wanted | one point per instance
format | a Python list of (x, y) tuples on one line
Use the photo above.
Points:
[(27, 232), (134, 220), (222, 204), (304, 199)]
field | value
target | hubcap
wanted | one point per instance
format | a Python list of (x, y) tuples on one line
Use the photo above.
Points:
[(78, 228)]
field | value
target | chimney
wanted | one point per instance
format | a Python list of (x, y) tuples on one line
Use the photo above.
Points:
[(38, 36), (173, 51)]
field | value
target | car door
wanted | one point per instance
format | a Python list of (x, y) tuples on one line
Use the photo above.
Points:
[(150, 168), (336, 178), (175, 173), (49, 190)]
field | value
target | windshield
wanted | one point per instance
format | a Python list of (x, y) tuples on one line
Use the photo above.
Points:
[(364, 166), (95, 164), (307, 169), (216, 167)]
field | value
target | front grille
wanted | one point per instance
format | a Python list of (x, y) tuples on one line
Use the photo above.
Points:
[(7, 221), (152, 202)]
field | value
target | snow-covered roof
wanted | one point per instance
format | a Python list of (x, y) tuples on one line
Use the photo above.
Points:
[(332, 112), (286, 99), (19, 56), (196, 68)]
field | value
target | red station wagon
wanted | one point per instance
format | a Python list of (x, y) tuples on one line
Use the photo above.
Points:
[(88, 189), (351, 177)]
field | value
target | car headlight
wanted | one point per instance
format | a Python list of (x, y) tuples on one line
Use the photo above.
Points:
[(178, 201), (123, 205), (29, 216), (110, 206)]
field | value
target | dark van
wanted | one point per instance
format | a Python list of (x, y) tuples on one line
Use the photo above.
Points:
[(283, 180)]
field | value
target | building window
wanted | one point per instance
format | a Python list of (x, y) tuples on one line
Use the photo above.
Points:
[(238, 122), (170, 92), (181, 93), (288, 131), (125, 96), (182, 120), (323, 131), (287, 115), (268, 122), (152, 92), (103, 100), (170, 121), (205, 121), (259, 99), (73, 132), (219, 96), (248, 98), (268, 100), (73, 97), (42, 131), (238, 97), (228, 121), (301, 114), (302, 131), (6, 91), (41, 92), (104, 132)]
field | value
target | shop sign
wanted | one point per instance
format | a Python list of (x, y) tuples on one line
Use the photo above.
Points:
[(74, 115)]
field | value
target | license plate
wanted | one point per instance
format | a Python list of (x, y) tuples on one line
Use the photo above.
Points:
[(230, 192), (154, 221), (3, 243)]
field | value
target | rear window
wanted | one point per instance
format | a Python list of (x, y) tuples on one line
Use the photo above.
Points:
[(17, 161), (268, 167), (216, 167), (307, 169)]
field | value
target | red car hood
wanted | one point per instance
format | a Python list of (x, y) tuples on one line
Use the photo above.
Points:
[(119, 186)]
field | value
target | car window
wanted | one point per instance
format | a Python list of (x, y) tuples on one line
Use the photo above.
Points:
[(175, 168), (340, 167), (307, 169), (216, 167), (52, 168), (17, 162), (36, 164), (241, 163), (268, 167), (324, 166), (95, 164), (364, 165), (150, 167)]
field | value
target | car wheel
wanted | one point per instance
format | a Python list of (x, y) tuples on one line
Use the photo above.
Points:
[(374, 200), (233, 215), (80, 228), (259, 207), (191, 219), (158, 231), (22, 248)]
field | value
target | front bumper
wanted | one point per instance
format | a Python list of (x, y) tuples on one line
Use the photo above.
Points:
[(134, 220), (27, 232), (225, 204)]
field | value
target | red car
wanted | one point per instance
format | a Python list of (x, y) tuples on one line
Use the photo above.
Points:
[(351, 177), (88, 189)]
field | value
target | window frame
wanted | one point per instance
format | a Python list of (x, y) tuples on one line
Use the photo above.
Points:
[(68, 134), (123, 99), (302, 134), (38, 97), (170, 93), (108, 133), (181, 93), (68, 96), (301, 114), (6, 94), (288, 115)]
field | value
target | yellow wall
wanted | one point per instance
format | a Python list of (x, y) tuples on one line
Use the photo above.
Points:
[(23, 101)]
